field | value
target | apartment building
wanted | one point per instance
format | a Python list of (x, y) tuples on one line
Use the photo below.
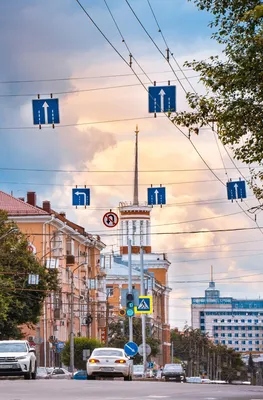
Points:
[(60, 243)]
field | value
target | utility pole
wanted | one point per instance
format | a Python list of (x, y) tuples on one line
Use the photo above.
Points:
[(172, 352), (130, 287), (143, 315), (107, 322), (72, 325)]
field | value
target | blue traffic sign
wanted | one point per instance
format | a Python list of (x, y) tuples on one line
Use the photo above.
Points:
[(45, 111), (150, 365), (145, 305), (162, 99), (131, 349), (156, 196), (81, 197), (236, 190)]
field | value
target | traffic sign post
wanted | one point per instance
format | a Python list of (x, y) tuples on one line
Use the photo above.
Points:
[(236, 190), (131, 349), (147, 348), (156, 196), (45, 111), (162, 99), (81, 197), (110, 219), (145, 305)]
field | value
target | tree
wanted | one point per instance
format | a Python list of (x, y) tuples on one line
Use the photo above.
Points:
[(234, 85), (119, 336), (20, 302), (80, 344)]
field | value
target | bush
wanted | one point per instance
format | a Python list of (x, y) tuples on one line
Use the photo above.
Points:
[(80, 344)]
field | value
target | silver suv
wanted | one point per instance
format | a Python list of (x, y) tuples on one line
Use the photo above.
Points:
[(17, 358)]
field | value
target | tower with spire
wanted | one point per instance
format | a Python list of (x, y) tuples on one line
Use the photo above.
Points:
[(135, 221)]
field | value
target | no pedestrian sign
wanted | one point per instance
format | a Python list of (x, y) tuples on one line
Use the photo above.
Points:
[(110, 219)]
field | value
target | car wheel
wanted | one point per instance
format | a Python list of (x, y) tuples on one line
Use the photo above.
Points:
[(91, 378), (28, 374), (127, 378), (166, 379), (34, 374)]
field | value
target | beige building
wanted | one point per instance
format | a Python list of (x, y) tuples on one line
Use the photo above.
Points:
[(61, 244)]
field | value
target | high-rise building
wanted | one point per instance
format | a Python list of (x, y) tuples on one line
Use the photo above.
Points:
[(236, 323)]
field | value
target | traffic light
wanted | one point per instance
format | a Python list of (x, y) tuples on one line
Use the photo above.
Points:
[(129, 305), (122, 312)]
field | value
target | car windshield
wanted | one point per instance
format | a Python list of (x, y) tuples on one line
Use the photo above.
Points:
[(13, 348), (107, 353), (138, 368), (172, 366)]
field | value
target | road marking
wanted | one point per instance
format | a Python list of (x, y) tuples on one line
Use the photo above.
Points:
[(157, 397)]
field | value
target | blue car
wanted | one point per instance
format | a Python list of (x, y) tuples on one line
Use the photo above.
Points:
[(80, 375)]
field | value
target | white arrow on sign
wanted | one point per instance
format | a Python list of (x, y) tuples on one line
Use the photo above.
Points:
[(236, 190), (162, 94), (84, 194), (130, 348), (45, 106), (156, 196)]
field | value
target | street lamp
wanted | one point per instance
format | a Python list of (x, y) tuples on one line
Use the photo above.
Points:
[(8, 232), (72, 318)]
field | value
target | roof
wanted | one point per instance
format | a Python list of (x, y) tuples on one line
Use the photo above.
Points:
[(17, 207)]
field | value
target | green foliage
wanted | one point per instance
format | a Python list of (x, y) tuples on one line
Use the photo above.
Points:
[(19, 304), (234, 85), (118, 338), (202, 356), (80, 344)]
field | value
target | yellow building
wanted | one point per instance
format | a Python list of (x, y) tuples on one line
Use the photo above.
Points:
[(61, 244)]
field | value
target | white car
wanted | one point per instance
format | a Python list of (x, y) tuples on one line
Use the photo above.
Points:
[(109, 362), (17, 358), (60, 373)]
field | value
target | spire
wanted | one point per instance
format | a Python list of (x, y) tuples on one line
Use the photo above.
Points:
[(136, 177), (211, 279)]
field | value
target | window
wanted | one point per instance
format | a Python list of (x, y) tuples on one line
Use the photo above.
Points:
[(236, 321), (222, 328), (243, 328), (222, 320), (243, 342), (236, 341), (236, 348), (243, 335), (216, 341), (223, 341), (109, 291), (134, 232), (243, 349), (202, 320), (250, 342), (223, 334), (257, 341), (215, 320), (229, 321), (236, 334), (216, 335), (249, 328), (229, 328), (250, 349), (250, 335), (256, 321), (229, 335), (256, 328), (242, 320), (236, 328), (70, 246), (257, 335), (216, 328), (230, 342), (249, 320)]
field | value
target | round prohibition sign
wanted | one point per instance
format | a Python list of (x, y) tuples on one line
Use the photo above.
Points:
[(110, 219)]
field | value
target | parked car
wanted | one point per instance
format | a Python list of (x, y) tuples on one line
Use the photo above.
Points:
[(194, 379), (109, 362), (138, 371), (174, 371), (60, 373), (17, 358), (80, 375), (42, 373), (205, 380)]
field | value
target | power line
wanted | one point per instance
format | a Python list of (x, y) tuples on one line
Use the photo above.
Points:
[(80, 90), (84, 77)]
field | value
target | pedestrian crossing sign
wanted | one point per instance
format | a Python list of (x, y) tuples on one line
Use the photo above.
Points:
[(144, 305)]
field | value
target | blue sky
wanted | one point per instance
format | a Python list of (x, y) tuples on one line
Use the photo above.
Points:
[(51, 39)]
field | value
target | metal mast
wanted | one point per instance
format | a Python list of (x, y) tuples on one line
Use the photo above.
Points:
[(136, 174)]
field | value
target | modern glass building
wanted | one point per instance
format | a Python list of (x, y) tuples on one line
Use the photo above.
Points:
[(237, 323)]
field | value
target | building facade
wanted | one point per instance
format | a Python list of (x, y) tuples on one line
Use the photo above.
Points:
[(59, 243), (236, 323), (135, 225)]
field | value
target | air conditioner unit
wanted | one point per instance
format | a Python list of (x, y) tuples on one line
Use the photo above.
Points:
[(70, 260)]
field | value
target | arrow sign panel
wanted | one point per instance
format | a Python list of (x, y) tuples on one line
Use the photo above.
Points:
[(131, 349), (236, 190), (156, 196), (162, 99), (81, 197), (45, 111)]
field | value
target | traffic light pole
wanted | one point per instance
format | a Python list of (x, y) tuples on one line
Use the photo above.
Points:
[(143, 315), (130, 286)]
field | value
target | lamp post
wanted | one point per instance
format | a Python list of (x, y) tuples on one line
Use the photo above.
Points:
[(9, 232), (72, 319)]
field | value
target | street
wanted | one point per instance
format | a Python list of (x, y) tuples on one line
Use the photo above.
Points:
[(119, 390)]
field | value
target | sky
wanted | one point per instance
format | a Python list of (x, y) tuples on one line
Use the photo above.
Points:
[(54, 44)]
